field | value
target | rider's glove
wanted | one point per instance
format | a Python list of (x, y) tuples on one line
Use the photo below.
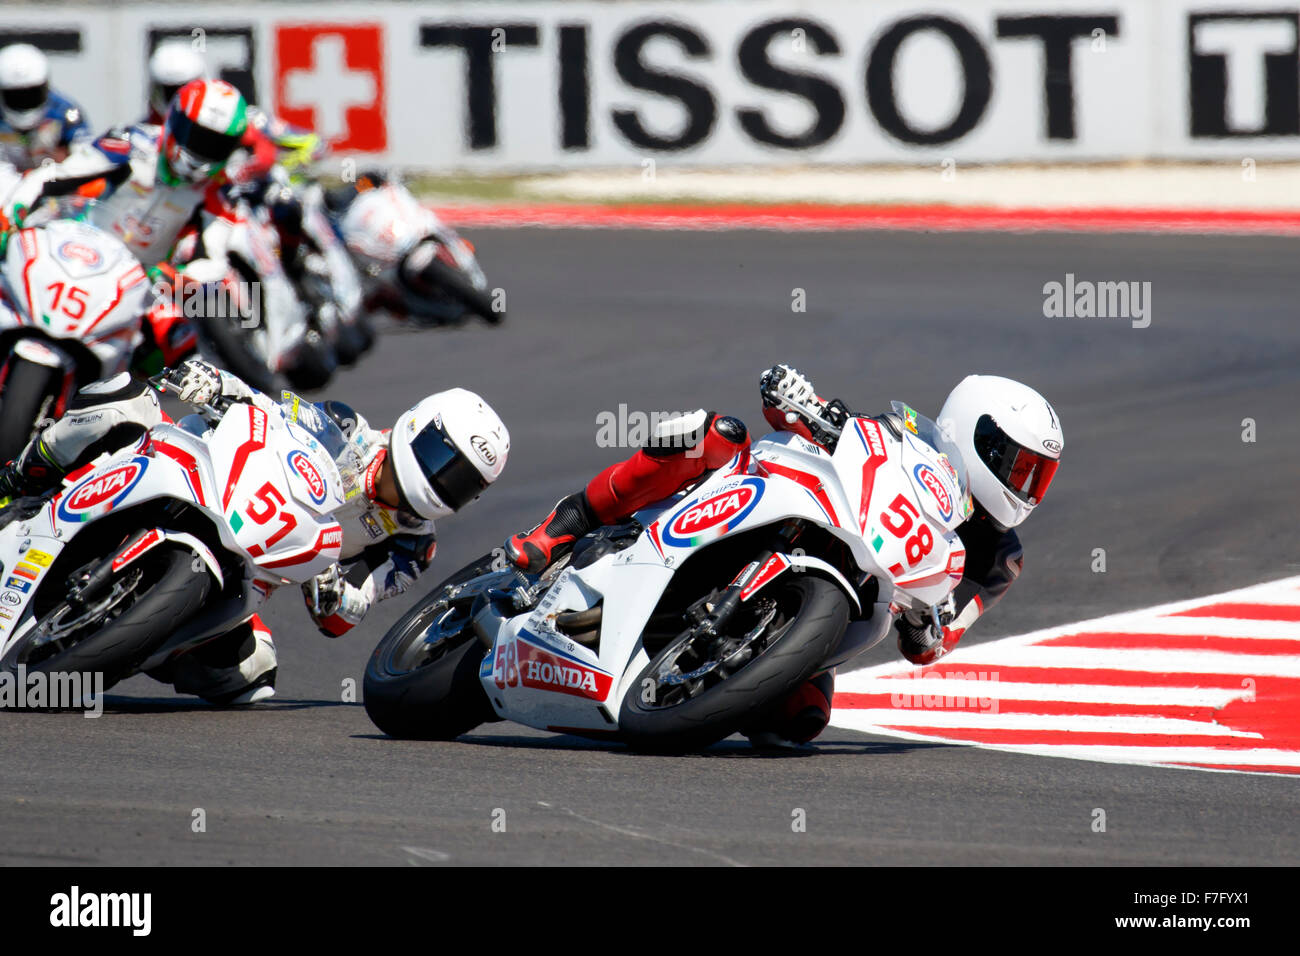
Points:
[(335, 604), (920, 641), (199, 382), (783, 386), (324, 592)]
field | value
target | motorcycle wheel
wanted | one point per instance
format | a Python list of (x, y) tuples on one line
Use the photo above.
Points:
[(314, 366), (232, 351), (26, 390), (421, 682), (149, 599), (456, 284), (811, 615), (351, 344)]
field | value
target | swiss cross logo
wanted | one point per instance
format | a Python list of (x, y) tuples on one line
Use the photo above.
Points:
[(330, 78)]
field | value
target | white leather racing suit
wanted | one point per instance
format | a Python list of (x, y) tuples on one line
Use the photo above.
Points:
[(145, 213)]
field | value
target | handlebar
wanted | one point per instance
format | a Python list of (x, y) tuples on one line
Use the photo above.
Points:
[(164, 383), (809, 412)]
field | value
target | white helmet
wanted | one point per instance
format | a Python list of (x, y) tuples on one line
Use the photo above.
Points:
[(24, 86), (447, 450), (1010, 440), (173, 64)]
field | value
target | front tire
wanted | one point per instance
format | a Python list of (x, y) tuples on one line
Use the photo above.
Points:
[(169, 592), (458, 285), (421, 682), (27, 389), (816, 614)]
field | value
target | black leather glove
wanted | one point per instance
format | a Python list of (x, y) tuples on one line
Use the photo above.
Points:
[(11, 480)]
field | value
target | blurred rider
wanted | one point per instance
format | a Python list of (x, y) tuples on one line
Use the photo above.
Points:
[(36, 123)]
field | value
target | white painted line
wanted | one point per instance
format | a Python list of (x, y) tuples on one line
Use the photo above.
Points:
[(858, 682), (868, 719), (1154, 661), (1212, 627)]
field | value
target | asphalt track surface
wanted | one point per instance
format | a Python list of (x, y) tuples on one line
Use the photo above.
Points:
[(1155, 473)]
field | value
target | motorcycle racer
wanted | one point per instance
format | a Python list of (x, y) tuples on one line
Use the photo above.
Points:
[(157, 184), (157, 181), (1010, 439), (173, 65), (439, 456), (36, 123)]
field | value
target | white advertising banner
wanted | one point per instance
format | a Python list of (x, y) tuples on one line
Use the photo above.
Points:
[(517, 86)]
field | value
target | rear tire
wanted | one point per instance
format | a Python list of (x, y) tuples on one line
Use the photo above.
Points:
[(437, 699), (118, 649), (722, 709), (26, 389)]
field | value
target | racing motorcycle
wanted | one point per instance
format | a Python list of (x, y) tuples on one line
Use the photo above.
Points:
[(687, 623), (73, 300), (147, 553), (384, 225), (335, 280), (250, 316)]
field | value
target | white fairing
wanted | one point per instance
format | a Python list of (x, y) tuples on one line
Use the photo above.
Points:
[(345, 281), (868, 495), (268, 485), (383, 224), (70, 280), (280, 326)]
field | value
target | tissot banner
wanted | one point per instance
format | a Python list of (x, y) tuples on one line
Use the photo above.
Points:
[(537, 85)]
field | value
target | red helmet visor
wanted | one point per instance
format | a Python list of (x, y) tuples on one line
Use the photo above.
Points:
[(1026, 474)]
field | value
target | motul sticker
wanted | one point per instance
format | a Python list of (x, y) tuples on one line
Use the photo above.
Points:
[(137, 549), (774, 566), (873, 443), (543, 670), (934, 484), (712, 517), (98, 494), (332, 539), (302, 466)]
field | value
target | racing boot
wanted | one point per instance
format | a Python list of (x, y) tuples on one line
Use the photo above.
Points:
[(236, 668), (534, 551), (796, 719)]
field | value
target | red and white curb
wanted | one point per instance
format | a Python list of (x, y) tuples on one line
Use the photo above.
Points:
[(1212, 684), (807, 217)]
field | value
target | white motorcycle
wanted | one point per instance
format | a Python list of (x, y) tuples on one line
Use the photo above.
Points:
[(147, 553), (337, 286), (73, 301), (384, 225), (684, 625), (249, 315)]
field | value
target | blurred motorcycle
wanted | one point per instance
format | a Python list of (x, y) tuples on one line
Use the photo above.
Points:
[(73, 301), (415, 265)]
